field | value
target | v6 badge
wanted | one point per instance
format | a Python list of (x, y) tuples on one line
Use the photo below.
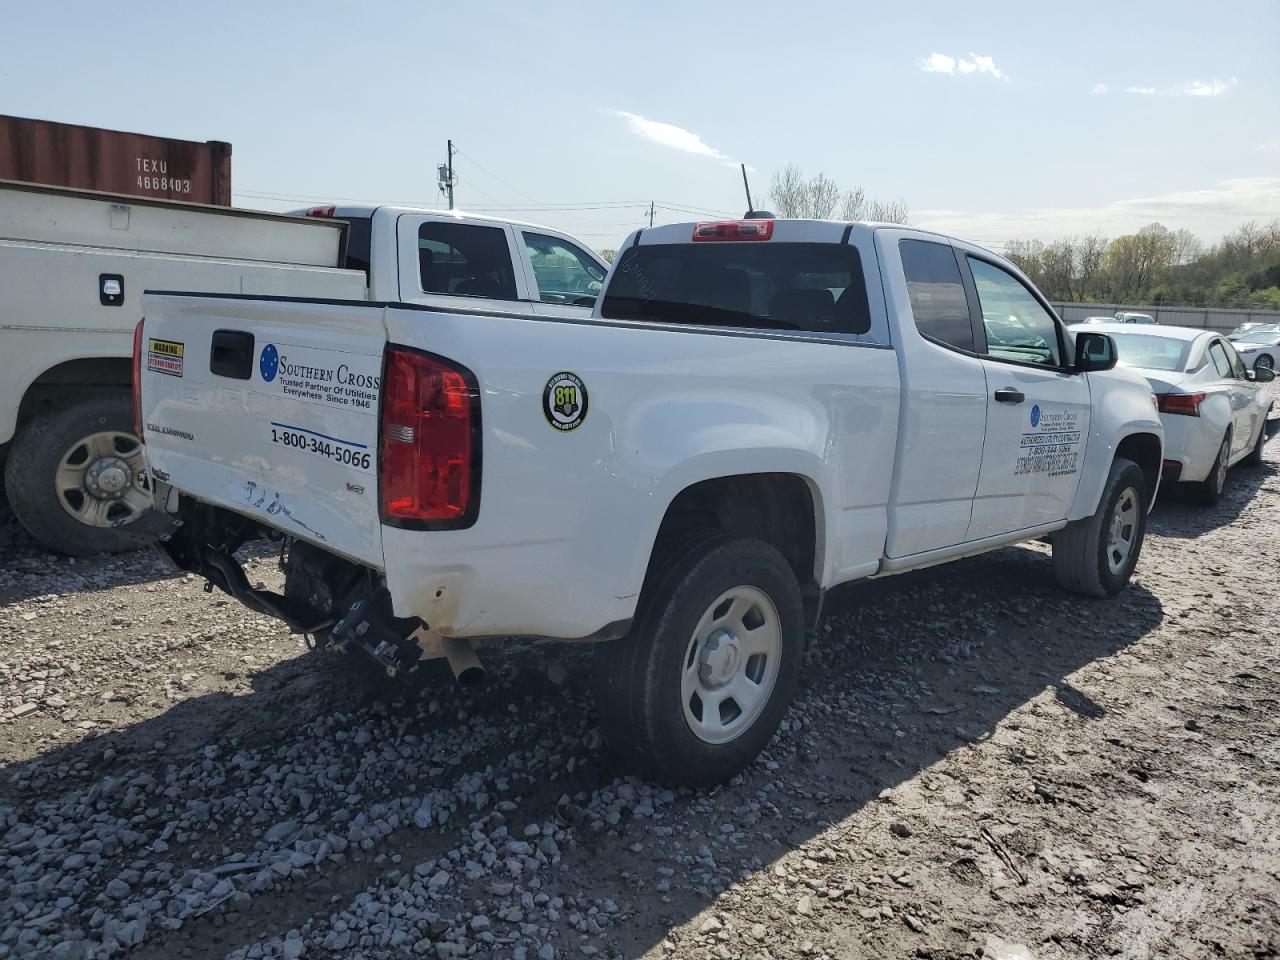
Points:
[(564, 401)]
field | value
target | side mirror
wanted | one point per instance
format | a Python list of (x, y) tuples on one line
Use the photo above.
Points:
[(1261, 374), (1095, 351)]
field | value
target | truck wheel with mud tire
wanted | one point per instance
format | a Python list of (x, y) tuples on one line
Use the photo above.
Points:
[(1096, 556), (699, 686), (76, 478)]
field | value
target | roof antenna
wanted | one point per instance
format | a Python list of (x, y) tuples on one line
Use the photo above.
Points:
[(752, 213)]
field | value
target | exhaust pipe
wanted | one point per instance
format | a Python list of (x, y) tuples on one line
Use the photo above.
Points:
[(466, 666)]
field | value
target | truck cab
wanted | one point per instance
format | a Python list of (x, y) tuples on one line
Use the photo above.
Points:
[(458, 260)]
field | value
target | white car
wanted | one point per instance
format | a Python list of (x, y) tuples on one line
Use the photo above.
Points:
[(1093, 320), (1129, 316), (1213, 408), (1251, 326), (1260, 349)]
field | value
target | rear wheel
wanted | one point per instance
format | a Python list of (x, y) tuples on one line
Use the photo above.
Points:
[(1264, 362), (1209, 490), (698, 688), (1096, 556), (76, 479), (1254, 459)]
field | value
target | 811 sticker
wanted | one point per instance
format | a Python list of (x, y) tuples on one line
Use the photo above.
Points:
[(564, 401)]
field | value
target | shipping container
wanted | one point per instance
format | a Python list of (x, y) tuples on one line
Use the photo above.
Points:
[(90, 158)]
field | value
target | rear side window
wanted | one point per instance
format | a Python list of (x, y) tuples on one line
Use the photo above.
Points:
[(937, 293), (1219, 358), (812, 287), (465, 260)]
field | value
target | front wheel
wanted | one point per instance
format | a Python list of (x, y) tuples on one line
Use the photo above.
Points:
[(1264, 362), (1096, 556), (697, 689)]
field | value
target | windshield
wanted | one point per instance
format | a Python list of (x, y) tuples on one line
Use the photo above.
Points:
[(1260, 336), (817, 287), (1151, 353)]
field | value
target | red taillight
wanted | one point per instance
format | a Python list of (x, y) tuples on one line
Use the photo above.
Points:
[(137, 379), (1185, 404), (734, 230), (429, 445), (321, 211)]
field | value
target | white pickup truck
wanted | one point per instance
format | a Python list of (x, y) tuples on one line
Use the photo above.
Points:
[(74, 263), (756, 412)]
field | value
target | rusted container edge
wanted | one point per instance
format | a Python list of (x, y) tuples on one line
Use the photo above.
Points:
[(113, 161)]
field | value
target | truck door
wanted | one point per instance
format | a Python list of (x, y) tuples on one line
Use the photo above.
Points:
[(944, 408), (450, 262), (1037, 409)]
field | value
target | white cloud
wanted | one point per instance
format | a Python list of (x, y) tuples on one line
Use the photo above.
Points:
[(937, 63), (1206, 88), (669, 135), (1101, 88), (1209, 213), (976, 63), (1192, 88)]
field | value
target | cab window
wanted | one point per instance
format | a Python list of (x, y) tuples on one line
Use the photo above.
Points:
[(465, 260), (1018, 328), (563, 272), (936, 292)]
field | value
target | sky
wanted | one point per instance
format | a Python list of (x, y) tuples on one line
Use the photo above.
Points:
[(994, 121)]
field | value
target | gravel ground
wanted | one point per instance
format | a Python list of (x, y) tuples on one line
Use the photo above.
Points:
[(977, 765)]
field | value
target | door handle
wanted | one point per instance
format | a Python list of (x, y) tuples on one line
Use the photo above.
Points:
[(1009, 395), (231, 354)]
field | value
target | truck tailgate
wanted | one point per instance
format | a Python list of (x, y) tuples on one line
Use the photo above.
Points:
[(269, 407)]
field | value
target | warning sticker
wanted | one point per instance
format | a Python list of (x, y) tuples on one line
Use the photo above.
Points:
[(165, 356)]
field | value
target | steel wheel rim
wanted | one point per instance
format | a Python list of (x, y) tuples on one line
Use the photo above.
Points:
[(1123, 532), (101, 480), (731, 664)]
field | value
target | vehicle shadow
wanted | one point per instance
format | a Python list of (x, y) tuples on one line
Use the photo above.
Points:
[(921, 664)]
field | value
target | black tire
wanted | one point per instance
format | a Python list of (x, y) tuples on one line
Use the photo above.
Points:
[(638, 679), (1081, 553), (1264, 362), (33, 462), (1208, 491), (1254, 459)]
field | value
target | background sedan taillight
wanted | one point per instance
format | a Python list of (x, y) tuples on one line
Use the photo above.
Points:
[(1185, 404)]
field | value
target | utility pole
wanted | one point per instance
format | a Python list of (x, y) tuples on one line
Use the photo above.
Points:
[(450, 180), (651, 213), (444, 176)]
